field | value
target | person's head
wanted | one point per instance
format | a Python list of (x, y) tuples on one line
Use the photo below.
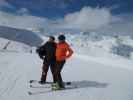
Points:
[(51, 38), (61, 38)]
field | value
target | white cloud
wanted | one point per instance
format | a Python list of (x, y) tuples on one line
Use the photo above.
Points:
[(87, 18), (22, 22), (4, 3), (121, 24), (23, 11), (97, 19)]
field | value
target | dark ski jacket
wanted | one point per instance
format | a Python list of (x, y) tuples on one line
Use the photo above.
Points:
[(47, 51)]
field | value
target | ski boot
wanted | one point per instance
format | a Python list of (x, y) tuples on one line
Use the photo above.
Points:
[(55, 86), (42, 82)]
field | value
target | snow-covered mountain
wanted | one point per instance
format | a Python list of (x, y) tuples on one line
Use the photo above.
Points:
[(20, 35), (13, 46), (91, 43), (100, 45), (97, 73)]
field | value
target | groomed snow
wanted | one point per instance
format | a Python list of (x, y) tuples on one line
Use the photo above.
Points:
[(99, 74), (96, 80)]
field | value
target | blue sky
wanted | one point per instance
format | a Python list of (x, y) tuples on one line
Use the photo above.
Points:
[(59, 8), (84, 15)]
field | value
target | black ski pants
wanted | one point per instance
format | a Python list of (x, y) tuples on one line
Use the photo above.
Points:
[(45, 67), (58, 68)]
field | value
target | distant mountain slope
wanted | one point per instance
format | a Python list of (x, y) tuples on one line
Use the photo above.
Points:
[(20, 35), (13, 46)]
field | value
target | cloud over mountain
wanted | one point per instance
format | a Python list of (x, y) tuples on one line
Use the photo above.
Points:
[(86, 19)]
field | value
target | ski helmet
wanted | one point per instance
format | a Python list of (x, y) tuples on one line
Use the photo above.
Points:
[(61, 37)]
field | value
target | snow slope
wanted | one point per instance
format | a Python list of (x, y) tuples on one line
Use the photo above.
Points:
[(95, 80), (98, 74), (14, 46), (98, 45)]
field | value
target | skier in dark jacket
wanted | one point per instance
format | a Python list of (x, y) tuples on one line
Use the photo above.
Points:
[(47, 53)]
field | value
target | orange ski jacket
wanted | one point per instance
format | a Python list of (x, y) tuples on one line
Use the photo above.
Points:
[(63, 51)]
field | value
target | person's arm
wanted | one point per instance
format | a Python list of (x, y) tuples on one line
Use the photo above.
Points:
[(70, 52), (41, 51)]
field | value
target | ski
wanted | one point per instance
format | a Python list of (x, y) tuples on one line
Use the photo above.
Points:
[(38, 86), (48, 91), (48, 85), (36, 81)]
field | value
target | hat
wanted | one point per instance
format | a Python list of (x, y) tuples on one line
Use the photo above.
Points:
[(61, 37), (52, 37)]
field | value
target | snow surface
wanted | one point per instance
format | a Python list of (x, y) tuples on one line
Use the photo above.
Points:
[(14, 46), (98, 45), (98, 74), (96, 80)]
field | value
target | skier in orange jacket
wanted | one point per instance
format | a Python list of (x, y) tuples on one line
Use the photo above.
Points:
[(63, 52)]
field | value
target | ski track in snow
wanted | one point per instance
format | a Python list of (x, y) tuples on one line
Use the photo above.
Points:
[(94, 79), (8, 77)]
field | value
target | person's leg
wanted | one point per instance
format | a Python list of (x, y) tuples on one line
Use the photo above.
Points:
[(59, 69), (44, 71), (52, 67)]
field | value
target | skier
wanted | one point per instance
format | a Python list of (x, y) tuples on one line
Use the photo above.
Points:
[(63, 52), (47, 53)]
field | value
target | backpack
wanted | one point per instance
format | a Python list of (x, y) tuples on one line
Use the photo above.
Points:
[(41, 51)]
